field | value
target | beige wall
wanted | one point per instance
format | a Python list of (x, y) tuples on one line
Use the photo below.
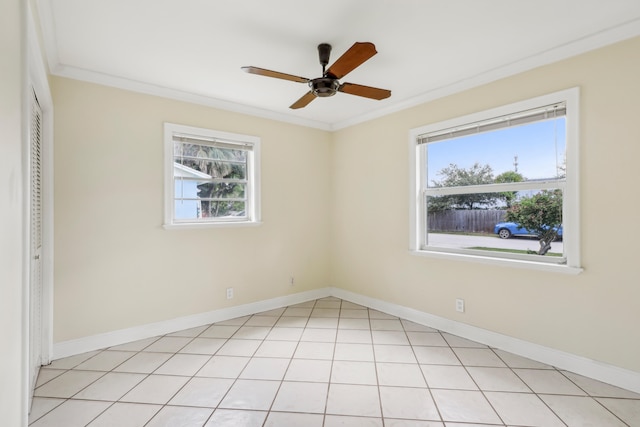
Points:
[(595, 314), (13, 355), (335, 210), (116, 267)]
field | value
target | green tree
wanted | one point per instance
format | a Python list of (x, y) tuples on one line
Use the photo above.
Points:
[(509, 176), (454, 176), (224, 164), (541, 214)]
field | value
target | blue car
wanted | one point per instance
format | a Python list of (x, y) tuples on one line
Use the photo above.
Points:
[(507, 229)]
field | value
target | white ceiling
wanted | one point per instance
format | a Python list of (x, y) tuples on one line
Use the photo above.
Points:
[(193, 49)]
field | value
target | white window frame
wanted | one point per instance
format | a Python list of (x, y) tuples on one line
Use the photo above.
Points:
[(253, 177), (571, 205)]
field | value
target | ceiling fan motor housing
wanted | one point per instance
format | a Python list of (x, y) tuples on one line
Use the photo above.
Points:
[(329, 83), (324, 86)]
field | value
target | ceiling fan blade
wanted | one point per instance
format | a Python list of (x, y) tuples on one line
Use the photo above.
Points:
[(304, 101), (275, 74), (366, 91), (351, 59)]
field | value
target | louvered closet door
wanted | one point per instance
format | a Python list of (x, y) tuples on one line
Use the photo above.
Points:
[(35, 324)]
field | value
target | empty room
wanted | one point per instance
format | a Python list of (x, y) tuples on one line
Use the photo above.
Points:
[(293, 213)]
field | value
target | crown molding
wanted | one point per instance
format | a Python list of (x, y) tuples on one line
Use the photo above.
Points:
[(179, 95), (585, 44)]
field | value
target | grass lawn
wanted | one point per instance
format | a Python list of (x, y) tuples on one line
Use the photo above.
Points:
[(513, 251)]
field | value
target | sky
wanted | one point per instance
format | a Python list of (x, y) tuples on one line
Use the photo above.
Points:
[(539, 147)]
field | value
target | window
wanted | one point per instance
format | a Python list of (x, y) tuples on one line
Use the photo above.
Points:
[(500, 186), (211, 177)]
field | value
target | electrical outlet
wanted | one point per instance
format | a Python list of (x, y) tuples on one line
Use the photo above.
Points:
[(229, 293), (459, 305), (291, 281)]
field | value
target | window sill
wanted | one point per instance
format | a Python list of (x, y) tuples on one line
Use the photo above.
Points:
[(515, 263), (193, 225)]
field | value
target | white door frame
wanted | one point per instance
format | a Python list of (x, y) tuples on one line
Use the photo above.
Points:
[(37, 81), (36, 287)]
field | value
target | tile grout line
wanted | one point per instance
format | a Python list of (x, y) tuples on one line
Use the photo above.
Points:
[(375, 368), (275, 396), (252, 357), (235, 380), (530, 388), (162, 406), (592, 397), (161, 365), (424, 377), (333, 357), (74, 368), (94, 381)]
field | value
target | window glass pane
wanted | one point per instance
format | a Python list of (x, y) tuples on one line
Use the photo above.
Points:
[(534, 216), (535, 151), (213, 209), (198, 189), (187, 209), (503, 165), (197, 194), (201, 209), (213, 161), (210, 177), (221, 190)]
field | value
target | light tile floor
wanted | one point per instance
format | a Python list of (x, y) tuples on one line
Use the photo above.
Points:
[(327, 363)]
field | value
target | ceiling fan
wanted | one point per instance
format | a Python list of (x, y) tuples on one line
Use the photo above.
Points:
[(329, 83)]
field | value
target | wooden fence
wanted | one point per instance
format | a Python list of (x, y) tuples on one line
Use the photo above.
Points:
[(470, 221)]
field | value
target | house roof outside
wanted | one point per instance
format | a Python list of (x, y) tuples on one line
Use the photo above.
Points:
[(180, 170)]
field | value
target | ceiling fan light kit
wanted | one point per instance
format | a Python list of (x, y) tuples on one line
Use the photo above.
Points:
[(329, 83)]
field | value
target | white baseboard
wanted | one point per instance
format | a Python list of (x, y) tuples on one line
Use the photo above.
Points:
[(620, 377), (122, 336)]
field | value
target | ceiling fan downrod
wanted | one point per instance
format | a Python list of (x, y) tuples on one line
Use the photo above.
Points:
[(324, 86)]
